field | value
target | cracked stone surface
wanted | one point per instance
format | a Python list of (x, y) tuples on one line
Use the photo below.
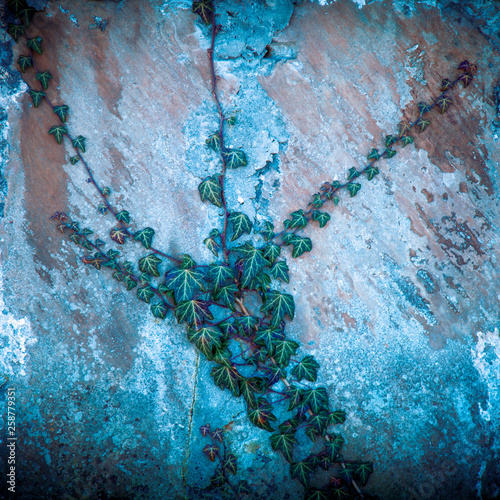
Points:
[(398, 300)]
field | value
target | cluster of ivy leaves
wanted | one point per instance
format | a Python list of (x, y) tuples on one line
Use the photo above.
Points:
[(252, 356)]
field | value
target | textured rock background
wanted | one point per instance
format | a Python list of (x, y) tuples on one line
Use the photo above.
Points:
[(398, 300)]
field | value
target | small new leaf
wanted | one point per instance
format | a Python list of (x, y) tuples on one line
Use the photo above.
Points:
[(37, 96), (230, 464), (446, 85), (389, 153), (205, 429), (267, 231), (74, 160), (44, 79), (240, 224), (374, 155), (299, 220), (214, 142), (371, 171), (145, 236), (35, 44), (118, 235), (102, 208), (58, 132), (353, 188), (321, 217), (130, 283), (211, 451), (79, 143), (284, 443), (353, 173), (24, 62), (234, 158), (210, 190), (159, 310), (334, 446), (422, 124), (307, 368), (123, 216), (149, 264), (204, 9), (389, 140), (466, 78)]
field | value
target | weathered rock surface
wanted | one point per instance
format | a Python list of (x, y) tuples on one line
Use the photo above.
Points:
[(398, 300)]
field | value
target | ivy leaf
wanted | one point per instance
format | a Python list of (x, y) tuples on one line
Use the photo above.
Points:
[(446, 85), (203, 8), (26, 14), (219, 274), (295, 396), (206, 339), (211, 451), (218, 479), (58, 132), (374, 155), (423, 108), (243, 489), (37, 96), (371, 171), (193, 312), (145, 278), (44, 78), (212, 245), (307, 368), (253, 262), (106, 191), (262, 415), (205, 429), (123, 216), (218, 435), (324, 462), (187, 262), (102, 208), (99, 243), (248, 388), (145, 236), (464, 65), (316, 425), (443, 103), (466, 78), (24, 62), (79, 143), (353, 188), (234, 158), (268, 231), (389, 153), (316, 495), (16, 6), (149, 264), (228, 328), (280, 304), (337, 417), (285, 349), (225, 295), (118, 235), (230, 464), (214, 142), (271, 252), (317, 399), (321, 217), (145, 294), (284, 443), (423, 124), (301, 245), (226, 377), (15, 30), (184, 282), (347, 473), (159, 310), (301, 471), (210, 189), (404, 128), (339, 493), (267, 336), (240, 224), (261, 283), (275, 375), (247, 325), (130, 283), (74, 160), (299, 220), (353, 173), (279, 270), (362, 471), (406, 139), (35, 44), (97, 260), (389, 140), (317, 201), (334, 446)]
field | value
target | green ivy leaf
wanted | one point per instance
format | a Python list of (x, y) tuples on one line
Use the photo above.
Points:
[(184, 282), (229, 464), (353, 188), (321, 217), (390, 140), (266, 337), (299, 220), (443, 102), (337, 417), (204, 9), (353, 173), (231, 120), (423, 124), (211, 190), (187, 262), (371, 171), (159, 310), (206, 340), (79, 143), (149, 264), (267, 231), (301, 245), (406, 139), (37, 96), (262, 415), (307, 368), (253, 262), (225, 295), (214, 142), (26, 14), (62, 112), (404, 128), (118, 235), (316, 495), (145, 294), (280, 304), (130, 282), (317, 399), (466, 78), (58, 132), (374, 155), (212, 451), (295, 396), (362, 471), (334, 446), (261, 282), (74, 160), (106, 191), (219, 274), (446, 85), (24, 62), (243, 489), (389, 153), (193, 312), (285, 349), (240, 224), (301, 471), (145, 236), (247, 325), (234, 158), (145, 278), (212, 245), (423, 108), (271, 252), (123, 216), (339, 493), (102, 208), (316, 425), (285, 444), (228, 328), (226, 377), (15, 31), (248, 388), (317, 201), (279, 271), (44, 78), (16, 6), (35, 44)]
